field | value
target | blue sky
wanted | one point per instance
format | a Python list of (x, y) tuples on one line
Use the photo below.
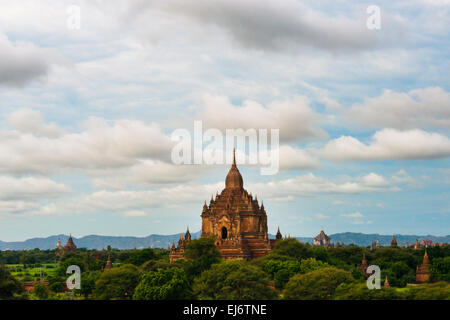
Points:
[(86, 114)]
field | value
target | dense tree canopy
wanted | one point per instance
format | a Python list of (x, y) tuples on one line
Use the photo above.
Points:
[(431, 291), (319, 284), (164, 284), (9, 286), (138, 257), (359, 291), (440, 269), (200, 254), (292, 248), (117, 283), (234, 280), (41, 291), (296, 270)]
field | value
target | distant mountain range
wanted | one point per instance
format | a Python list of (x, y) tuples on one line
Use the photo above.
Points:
[(163, 241)]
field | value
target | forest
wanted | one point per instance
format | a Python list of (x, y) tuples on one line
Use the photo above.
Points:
[(293, 270)]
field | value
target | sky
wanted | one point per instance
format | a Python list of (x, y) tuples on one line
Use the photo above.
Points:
[(91, 91)]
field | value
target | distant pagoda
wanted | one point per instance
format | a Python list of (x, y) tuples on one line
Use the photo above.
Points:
[(363, 267), (394, 241), (70, 246), (108, 265), (322, 239), (422, 271)]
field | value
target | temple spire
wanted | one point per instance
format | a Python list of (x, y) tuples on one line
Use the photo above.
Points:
[(386, 283), (234, 179), (279, 236), (108, 263)]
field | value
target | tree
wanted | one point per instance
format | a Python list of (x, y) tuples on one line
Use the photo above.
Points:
[(117, 283), (281, 277), (233, 280), (284, 270), (398, 273), (153, 265), (321, 254), (55, 283), (164, 284), (138, 257), (41, 292), (201, 254), (440, 269), (319, 284), (272, 267), (311, 264), (292, 248), (391, 255), (9, 286), (92, 263), (88, 280), (350, 255), (432, 291), (71, 260), (359, 291)]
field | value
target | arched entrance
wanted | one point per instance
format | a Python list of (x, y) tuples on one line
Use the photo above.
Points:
[(224, 233)]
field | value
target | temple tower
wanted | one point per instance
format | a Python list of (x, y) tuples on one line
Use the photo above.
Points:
[(363, 267), (235, 220), (394, 241), (70, 246), (422, 271), (108, 263), (322, 239)]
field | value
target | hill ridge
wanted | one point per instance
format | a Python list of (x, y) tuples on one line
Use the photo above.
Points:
[(163, 241)]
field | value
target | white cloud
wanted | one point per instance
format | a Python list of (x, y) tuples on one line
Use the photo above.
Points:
[(294, 158), (270, 25), (389, 144), (338, 202), (21, 62), (321, 216), (419, 108), (129, 202), (356, 218), (352, 215), (31, 121), (294, 117), (145, 173), (100, 145), (310, 184), (374, 180), (402, 176), (30, 188), (135, 213)]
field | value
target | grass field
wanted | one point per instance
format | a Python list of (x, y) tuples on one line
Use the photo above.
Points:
[(32, 274)]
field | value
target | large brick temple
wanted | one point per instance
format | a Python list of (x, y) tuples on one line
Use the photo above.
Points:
[(235, 220)]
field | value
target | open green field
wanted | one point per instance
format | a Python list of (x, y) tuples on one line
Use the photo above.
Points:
[(32, 273)]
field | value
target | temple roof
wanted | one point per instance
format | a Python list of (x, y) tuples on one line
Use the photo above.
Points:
[(234, 198), (426, 260), (70, 243), (322, 236), (234, 179)]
